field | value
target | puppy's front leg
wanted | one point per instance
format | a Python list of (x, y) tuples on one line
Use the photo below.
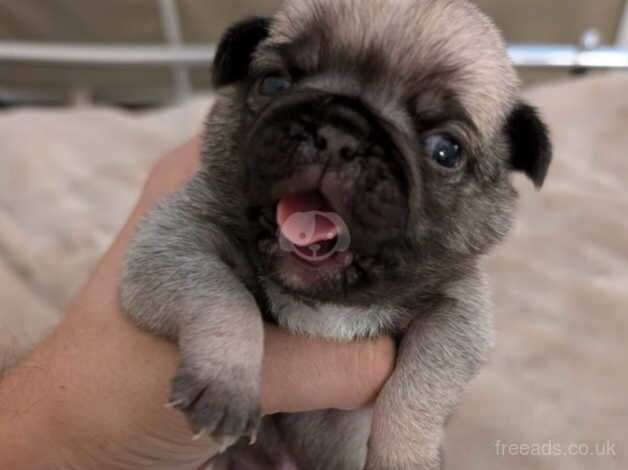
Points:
[(438, 355), (217, 384), (180, 282)]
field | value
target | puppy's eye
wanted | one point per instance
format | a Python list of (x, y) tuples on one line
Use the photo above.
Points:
[(273, 84), (444, 151)]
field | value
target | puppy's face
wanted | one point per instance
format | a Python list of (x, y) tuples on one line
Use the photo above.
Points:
[(378, 138)]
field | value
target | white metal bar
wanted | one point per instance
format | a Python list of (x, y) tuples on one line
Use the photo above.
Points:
[(522, 55), (171, 25), (95, 54), (622, 31), (547, 55)]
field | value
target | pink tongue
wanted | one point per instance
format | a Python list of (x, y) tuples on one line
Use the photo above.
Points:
[(297, 220)]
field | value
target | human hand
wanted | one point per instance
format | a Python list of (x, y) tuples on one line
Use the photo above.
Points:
[(92, 395)]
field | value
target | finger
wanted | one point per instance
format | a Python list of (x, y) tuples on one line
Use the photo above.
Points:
[(304, 374)]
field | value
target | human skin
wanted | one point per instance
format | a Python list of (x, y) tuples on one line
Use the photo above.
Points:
[(93, 394)]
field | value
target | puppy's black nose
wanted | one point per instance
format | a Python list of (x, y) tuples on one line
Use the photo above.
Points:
[(337, 143), (342, 130)]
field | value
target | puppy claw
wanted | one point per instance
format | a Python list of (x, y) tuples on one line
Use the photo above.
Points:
[(199, 435), (175, 404), (224, 443), (218, 409)]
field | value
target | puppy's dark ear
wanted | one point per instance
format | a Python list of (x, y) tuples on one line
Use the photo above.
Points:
[(236, 48), (530, 146)]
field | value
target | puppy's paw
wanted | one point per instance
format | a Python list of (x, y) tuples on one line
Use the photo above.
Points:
[(222, 406), (391, 459)]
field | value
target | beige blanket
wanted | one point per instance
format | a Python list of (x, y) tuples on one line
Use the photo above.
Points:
[(559, 374)]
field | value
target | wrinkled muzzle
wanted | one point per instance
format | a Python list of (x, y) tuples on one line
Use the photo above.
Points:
[(330, 171)]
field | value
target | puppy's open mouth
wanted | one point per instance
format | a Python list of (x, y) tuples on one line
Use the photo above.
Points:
[(311, 231)]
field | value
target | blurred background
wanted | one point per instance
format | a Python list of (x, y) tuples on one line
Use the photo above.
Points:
[(200, 22), (93, 92)]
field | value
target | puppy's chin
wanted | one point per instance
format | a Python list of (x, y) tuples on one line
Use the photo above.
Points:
[(322, 278)]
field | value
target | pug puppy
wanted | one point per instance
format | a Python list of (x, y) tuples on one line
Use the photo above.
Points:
[(394, 124)]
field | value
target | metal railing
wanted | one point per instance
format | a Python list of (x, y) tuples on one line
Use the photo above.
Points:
[(171, 25), (588, 54), (183, 57), (522, 55), (126, 55)]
